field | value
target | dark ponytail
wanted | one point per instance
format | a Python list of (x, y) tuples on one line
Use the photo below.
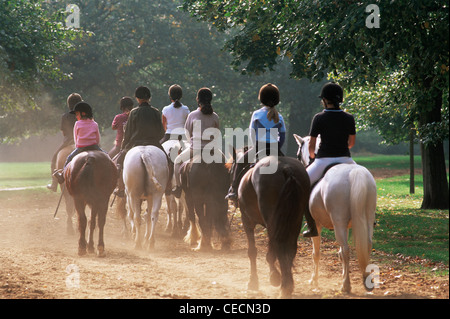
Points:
[(175, 94), (204, 98)]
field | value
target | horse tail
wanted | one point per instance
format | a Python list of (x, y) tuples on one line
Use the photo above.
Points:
[(282, 237), (153, 182), (362, 209), (86, 179)]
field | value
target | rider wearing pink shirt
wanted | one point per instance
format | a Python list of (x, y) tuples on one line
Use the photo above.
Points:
[(85, 134)]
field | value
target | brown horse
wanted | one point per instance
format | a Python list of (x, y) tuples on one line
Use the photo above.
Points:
[(70, 208), (205, 186), (91, 178), (277, 201)]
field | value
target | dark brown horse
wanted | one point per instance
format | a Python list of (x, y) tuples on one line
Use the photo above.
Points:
[(205, 186), (91, 178), (273, 193)]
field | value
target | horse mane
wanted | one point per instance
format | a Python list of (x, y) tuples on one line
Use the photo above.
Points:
[(230, 161)]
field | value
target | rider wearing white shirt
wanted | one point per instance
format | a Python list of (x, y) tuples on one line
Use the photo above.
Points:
[(174, 115)]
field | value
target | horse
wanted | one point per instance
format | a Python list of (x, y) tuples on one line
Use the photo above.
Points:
[(205, 186), (344, 198), (145, 175), (70, 207), (277, 201), (90, 179), (174, 209)]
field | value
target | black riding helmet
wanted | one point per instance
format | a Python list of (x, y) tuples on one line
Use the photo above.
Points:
[(333, 92), (83, 107)]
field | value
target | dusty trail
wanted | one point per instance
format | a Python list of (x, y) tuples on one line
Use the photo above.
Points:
[(37, 259)]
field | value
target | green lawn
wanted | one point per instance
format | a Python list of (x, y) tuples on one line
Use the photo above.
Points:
[(387, 161), (404, 228), (14, 175)]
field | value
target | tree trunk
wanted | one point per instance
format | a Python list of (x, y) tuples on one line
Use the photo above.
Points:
[(411, 161), (435, 184)]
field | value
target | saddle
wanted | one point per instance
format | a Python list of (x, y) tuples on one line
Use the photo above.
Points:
[(323, 174)]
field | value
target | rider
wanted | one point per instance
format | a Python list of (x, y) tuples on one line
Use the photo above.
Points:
[(144, 127), (207, 118), (174, 115), (67, 122), (118, 124), (265, 118), (85, 133), (337, 133)]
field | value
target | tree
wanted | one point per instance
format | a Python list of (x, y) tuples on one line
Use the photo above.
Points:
[(341, 37), (30, 40)]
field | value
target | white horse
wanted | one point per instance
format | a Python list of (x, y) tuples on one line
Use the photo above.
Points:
[(174, 209), (145, 174), (344, 198)]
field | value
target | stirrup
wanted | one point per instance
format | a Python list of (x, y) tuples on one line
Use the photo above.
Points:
[(231, 196), (58, 174)]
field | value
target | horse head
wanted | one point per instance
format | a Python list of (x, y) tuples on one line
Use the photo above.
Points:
[(238, 162), (303, 148)]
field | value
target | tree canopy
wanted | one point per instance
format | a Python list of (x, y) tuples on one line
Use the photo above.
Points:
[(31, 39), (410, 40)]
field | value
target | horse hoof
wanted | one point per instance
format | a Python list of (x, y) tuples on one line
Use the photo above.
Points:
[(253, 285), (82, 251), (286, 293), (101, 252), (203, 247), (275, 278)]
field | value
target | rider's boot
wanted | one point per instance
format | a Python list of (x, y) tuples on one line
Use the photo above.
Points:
[(311, 224), (120, 189), (59, 175)]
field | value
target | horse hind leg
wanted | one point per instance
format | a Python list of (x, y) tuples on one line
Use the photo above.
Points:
[(193, 234), (204, 213), (314, 281), (222, 226), (344, 255), (92, 224), (275, 276), (252, 252), (285, 253), (101, 215), (82, 221), (152, 221), (135, 219)]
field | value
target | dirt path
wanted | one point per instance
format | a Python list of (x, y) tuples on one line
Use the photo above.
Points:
[(39, 260)]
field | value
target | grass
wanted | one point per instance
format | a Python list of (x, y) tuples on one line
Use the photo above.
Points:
[(402, 229), (13, 175), (387, 161)]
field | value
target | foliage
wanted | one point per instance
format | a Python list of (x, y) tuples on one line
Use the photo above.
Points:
[(30, 40), (410, 47), (129, 48), (322, 37)]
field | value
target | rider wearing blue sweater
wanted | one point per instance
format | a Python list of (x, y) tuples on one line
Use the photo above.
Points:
[(267, 130)]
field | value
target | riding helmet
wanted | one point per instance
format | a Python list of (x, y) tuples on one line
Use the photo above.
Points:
[(83, 107), (332, 92)]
